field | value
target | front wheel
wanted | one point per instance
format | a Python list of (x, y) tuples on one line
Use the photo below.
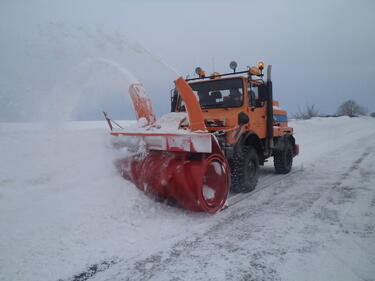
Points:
[(283, 159), (244, 170)]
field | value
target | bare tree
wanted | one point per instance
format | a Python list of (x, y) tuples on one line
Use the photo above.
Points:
[(351, 108), (307, 113)]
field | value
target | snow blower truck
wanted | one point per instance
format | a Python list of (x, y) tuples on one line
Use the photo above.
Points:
[(221, 128)]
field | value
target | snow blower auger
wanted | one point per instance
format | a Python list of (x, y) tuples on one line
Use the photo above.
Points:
[(220, 129)]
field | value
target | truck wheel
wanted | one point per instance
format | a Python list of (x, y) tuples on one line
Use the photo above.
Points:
[(283, 159), (244, 170)]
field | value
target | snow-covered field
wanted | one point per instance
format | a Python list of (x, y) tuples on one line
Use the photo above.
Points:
[(65, 213)]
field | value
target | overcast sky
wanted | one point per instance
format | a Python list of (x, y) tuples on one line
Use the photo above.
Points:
[(77, 58)]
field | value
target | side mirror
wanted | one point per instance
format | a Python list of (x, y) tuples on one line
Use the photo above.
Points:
[(243, 119)]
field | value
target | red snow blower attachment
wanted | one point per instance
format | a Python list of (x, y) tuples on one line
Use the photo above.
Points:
[(174, 156)]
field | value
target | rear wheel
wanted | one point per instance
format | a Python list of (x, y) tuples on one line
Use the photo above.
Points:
[(283, 159), (244, 170)]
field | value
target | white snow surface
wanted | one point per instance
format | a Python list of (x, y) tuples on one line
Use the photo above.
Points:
[(66, 214)]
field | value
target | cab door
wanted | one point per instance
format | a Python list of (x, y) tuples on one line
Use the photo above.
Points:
[(256, 110)]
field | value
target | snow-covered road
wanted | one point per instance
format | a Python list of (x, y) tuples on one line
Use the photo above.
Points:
[(66, 214)]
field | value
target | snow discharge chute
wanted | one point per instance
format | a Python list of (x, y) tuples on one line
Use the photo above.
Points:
[(175, 156)]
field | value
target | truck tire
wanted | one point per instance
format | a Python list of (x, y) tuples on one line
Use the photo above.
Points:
[(283, 159), (244, 170)]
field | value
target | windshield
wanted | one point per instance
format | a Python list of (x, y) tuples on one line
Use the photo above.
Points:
[(218, 93)]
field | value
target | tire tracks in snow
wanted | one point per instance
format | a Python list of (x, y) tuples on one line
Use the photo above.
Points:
[(345, 228), (93, 269), (147, 268), (156, 262)]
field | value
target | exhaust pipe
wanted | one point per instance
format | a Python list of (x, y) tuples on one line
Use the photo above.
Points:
[(269, 111)]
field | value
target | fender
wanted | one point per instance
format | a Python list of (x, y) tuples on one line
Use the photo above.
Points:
[(281, 141), (251, 138)]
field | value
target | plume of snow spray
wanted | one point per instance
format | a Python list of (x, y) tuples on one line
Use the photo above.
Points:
[(137, 47), (64, 97), (120, 40)]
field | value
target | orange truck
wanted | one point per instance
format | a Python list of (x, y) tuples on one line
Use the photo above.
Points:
[(228, 125), (250, 126)]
